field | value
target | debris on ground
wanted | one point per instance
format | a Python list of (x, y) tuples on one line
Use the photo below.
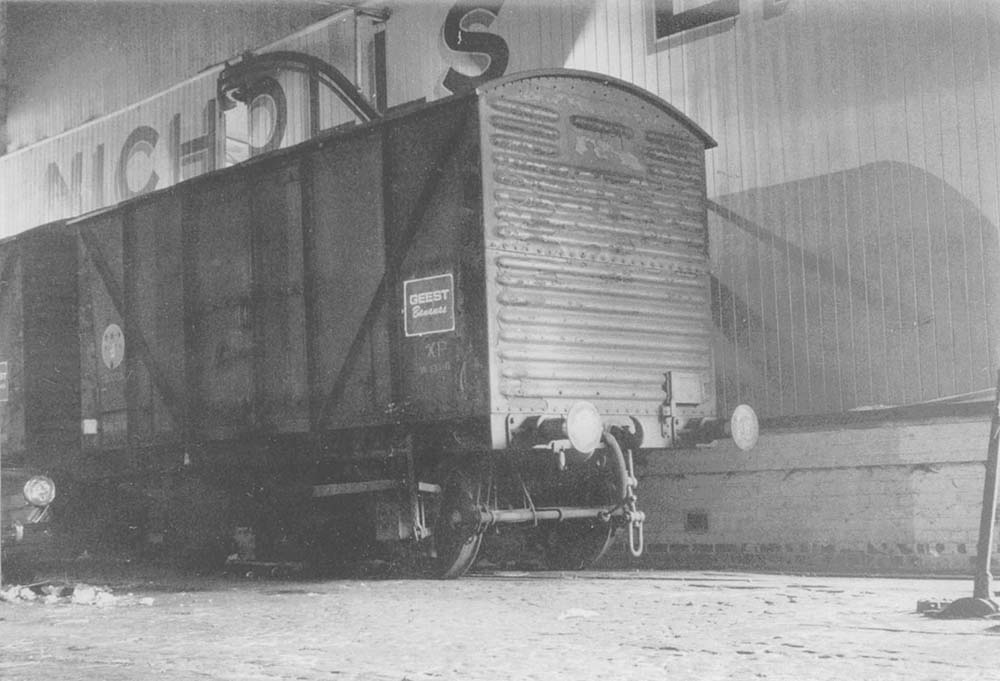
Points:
[(577, 613), (963, 608), (52, 593), (253, 569), (930, 605)]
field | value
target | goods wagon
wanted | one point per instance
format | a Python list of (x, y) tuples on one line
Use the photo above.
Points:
[(456, 321), (39, 348), (39, 382)]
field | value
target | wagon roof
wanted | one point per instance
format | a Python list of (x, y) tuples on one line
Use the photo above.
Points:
[(635, 90)]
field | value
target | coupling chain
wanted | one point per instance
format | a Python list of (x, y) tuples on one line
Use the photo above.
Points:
[(633, 516)]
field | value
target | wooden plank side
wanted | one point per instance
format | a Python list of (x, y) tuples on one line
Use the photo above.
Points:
[(281, 383), (12, 411), (157, 299), (346, 206), (102, 341), (222, 335)]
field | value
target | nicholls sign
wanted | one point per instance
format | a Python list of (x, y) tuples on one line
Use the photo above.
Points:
[(151, 155), (151, 146), (175, 135)]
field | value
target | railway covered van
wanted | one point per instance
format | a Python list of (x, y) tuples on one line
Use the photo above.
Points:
[(39, 349), (460, 317)]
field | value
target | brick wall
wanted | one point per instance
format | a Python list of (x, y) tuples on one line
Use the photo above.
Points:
[(891, 497)]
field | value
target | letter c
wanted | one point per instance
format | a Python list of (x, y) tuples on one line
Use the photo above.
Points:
[(142, 140)]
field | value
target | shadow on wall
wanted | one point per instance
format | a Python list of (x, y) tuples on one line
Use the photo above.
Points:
[(867, 287)]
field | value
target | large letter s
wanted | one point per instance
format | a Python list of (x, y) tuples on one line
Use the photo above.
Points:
[(456, 37)]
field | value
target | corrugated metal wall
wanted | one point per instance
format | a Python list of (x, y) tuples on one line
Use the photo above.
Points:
[(854, 191), (594, 209)]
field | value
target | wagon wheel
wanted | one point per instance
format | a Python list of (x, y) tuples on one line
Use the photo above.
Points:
[(578, 544), (457, 535)]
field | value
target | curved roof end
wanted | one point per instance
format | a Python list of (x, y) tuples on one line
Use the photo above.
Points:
[(682, 118)]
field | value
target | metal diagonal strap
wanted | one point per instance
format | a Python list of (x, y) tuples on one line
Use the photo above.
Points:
[(393, 264), (9, 264), (137, 340)]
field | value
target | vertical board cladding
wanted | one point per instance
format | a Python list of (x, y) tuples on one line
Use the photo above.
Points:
[(154, 292), (51, 351), (103, 367), (595, 223), (174, 135), (278, 300), (40, 366), (245, 303), (71, 63), (344, 202), (12, 434), (219, 217), (851, 234), (192, 313), (395, 205), (853, 195), (132, 326), (269, 299), (435, 238)]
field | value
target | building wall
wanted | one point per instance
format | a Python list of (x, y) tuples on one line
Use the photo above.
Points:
[(853, 214), (71, 62), (4, 81), (887, 497), (115, 152)]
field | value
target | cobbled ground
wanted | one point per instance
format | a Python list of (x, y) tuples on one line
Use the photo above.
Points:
[(498, 626)]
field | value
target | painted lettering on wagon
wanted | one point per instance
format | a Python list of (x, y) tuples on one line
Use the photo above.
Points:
[(430, 305)]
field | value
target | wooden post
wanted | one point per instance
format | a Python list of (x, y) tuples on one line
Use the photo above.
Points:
[(983, 587)]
